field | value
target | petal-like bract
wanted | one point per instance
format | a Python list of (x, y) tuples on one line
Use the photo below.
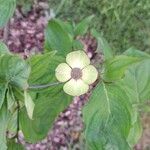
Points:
[(89, 74), (75, 87), (77, 59), (63, 72)]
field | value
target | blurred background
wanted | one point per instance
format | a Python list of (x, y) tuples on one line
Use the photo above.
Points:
[(124, 23)]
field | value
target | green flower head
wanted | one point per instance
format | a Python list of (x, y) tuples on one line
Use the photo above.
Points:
[(77, 73)]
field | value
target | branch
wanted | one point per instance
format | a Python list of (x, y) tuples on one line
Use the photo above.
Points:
[(43, 86)]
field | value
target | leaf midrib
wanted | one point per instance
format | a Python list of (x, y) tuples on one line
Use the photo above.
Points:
[(108, 103)]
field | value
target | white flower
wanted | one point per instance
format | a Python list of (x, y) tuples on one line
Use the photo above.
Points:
[(77, 73)]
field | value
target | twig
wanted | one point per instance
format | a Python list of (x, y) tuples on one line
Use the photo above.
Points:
[(44, 85)]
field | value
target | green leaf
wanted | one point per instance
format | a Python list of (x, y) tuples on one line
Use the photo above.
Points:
[(12, 145), (43, 68), (67, 26), (136, 53), (107, 118), (7, 8), (135, 133), (82, 27), (29, 104), (43, 71), (136, 82), (3, 49), (56, 38), (13, 123), (49, 102), (10, 99), (4, 117), (77, 45), (11, 107), (18, 94), (14, 71), (3, 89), (47, 108), (115, 68), (103, 45)]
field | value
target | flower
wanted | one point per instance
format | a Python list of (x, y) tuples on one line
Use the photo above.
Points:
[(77, 73)]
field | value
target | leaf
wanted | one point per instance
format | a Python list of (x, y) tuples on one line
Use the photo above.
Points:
[(136, 53), (103, 45), (29, 104), (43, 68), (3, 127), (18, 94), (136, 82), (47, 108), (115, 68), (56, 38), (12, 145), (13, 123), (14, 71), (3, 49), (67, 26), (3, 89), (135, 133), (77, 45), (82, 27), (10, 99), (11, 107), (107, 118), (43, 71), (7, 8), (49, 102)]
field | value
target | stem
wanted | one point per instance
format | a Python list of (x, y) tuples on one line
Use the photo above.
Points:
[(44, 85)]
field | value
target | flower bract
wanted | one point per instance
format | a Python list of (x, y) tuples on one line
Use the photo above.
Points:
[(77, 73)]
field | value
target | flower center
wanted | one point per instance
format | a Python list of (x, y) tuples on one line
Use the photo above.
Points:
[(76, 73)]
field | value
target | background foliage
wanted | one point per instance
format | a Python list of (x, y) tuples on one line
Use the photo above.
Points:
[(124, 23)]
